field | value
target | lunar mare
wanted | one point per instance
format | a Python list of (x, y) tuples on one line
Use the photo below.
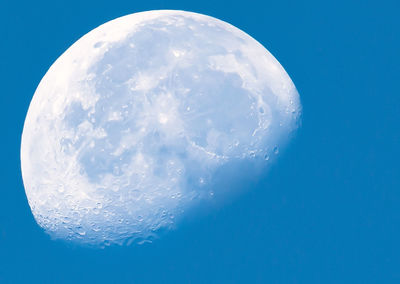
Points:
[(146, 116)]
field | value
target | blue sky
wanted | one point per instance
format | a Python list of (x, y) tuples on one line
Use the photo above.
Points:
[(328, 212)]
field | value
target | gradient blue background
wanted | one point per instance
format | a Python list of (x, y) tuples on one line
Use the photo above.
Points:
[(327, 213)]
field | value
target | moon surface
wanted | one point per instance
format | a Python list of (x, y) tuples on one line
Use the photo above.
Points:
[(146, 118)]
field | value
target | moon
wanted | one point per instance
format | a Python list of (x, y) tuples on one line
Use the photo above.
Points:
[(146, 118)]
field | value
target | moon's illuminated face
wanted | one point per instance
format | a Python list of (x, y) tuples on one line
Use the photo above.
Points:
[(144, 117)]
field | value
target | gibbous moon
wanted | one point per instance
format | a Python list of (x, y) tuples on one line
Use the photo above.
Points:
[(146, 118)]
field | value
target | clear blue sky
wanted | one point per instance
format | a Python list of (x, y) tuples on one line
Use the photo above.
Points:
[(329, 210)]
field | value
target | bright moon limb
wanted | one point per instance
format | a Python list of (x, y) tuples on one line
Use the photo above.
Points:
[(147, 116)]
